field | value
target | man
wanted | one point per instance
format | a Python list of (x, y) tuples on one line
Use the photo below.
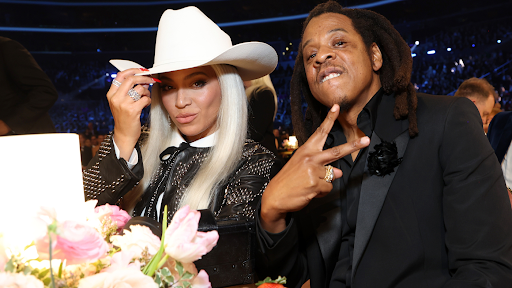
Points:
[(424, 205), (480, 92), (500, 137), (27, 93)]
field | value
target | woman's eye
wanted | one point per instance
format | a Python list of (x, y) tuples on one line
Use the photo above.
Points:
[(312, 56), (166, 87), (199, 84), (339, 43)]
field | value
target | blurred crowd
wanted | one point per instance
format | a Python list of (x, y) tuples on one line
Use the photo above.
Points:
[(461, 53)]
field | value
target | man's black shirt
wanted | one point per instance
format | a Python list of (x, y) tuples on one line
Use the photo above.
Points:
[(349, 187)]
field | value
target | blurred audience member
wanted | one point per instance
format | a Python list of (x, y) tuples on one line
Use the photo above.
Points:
[(500, 137), (86, 152), (480, 92), (27, 93), (494, 111), (263, 107)]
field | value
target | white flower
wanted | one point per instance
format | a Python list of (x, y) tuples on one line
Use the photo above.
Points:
[(10, 280), (125, 278), (137, 240)]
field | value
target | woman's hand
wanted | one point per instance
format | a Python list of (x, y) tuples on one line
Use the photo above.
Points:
[(126, 111), (302, 178)]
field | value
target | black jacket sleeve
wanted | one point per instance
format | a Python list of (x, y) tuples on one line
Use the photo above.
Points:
[(107, 178)]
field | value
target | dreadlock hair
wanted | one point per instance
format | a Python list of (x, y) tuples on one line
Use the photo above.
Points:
[(395, 73)]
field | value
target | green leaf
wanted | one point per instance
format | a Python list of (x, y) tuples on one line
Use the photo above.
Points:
[(35, 271), (186, 284), (43, 273), (46, 281), (179, 268), (165, 272), (9, 266), (157, 279), (187, 275), (169, 279), (279, 280), (60, 269), (27, 270)]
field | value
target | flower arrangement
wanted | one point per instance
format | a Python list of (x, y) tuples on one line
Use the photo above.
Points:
[(99, 252)]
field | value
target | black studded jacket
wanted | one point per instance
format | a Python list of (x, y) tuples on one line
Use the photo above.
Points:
[(108, 179)]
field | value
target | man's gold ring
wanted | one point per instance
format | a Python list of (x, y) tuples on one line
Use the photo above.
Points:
[(329, 173)]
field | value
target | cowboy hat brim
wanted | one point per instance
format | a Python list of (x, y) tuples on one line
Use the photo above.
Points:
[(252, 60)]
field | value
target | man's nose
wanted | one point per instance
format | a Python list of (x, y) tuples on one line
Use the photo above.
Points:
[(324, 54)]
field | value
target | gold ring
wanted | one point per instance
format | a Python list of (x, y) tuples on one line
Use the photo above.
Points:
[(329, 173)]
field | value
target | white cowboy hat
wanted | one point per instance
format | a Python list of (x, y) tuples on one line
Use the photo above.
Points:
[(186, 38)]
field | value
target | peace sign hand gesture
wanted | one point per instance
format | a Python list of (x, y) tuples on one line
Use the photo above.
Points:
[(302, 178)]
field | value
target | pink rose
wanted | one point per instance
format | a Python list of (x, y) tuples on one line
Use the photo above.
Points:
[(119, 216), (182, 240), (76, 242), (126, 278)]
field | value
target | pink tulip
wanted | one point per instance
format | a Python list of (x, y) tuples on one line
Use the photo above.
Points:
[(201, 280), (182, 240)]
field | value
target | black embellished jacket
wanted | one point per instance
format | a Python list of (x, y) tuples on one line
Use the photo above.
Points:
[(108, 179)]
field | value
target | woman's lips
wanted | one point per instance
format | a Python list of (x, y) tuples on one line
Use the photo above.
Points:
[(186, 118)]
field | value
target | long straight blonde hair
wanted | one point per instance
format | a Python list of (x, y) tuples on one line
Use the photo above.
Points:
[(222, 159)]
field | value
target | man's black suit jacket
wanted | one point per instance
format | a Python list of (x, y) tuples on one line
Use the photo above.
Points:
[(443, 219), (26, 92)]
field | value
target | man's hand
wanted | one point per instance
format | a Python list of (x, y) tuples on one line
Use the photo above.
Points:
[(4, 128), (302, 178)]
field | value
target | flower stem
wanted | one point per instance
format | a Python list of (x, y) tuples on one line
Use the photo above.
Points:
[(50, 250), (162, 262)]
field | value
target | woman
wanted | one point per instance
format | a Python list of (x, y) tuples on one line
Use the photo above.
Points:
[(263, 108), (196, 152)]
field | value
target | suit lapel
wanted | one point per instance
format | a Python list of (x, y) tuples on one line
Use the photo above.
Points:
[(375, 188)]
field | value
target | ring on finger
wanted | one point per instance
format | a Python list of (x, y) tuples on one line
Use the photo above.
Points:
[(134, 94), (115, 82), (329, 174)]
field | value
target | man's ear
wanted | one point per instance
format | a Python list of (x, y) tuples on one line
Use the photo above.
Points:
[(376, 57)]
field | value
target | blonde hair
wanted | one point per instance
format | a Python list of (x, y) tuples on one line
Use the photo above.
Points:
[(259, 84), (222, 159)]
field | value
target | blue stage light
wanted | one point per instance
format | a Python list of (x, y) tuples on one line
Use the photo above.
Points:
[(431, 52), (448, 49), (113, 75), (472, 45), (413, 55), (499, 41)]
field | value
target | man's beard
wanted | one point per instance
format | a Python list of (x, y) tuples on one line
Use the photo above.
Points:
[(344, 103)]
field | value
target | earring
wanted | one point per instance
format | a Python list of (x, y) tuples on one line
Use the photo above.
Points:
[(169, 119)]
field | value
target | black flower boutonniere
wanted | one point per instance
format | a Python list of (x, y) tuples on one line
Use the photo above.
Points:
[(384, 159)]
